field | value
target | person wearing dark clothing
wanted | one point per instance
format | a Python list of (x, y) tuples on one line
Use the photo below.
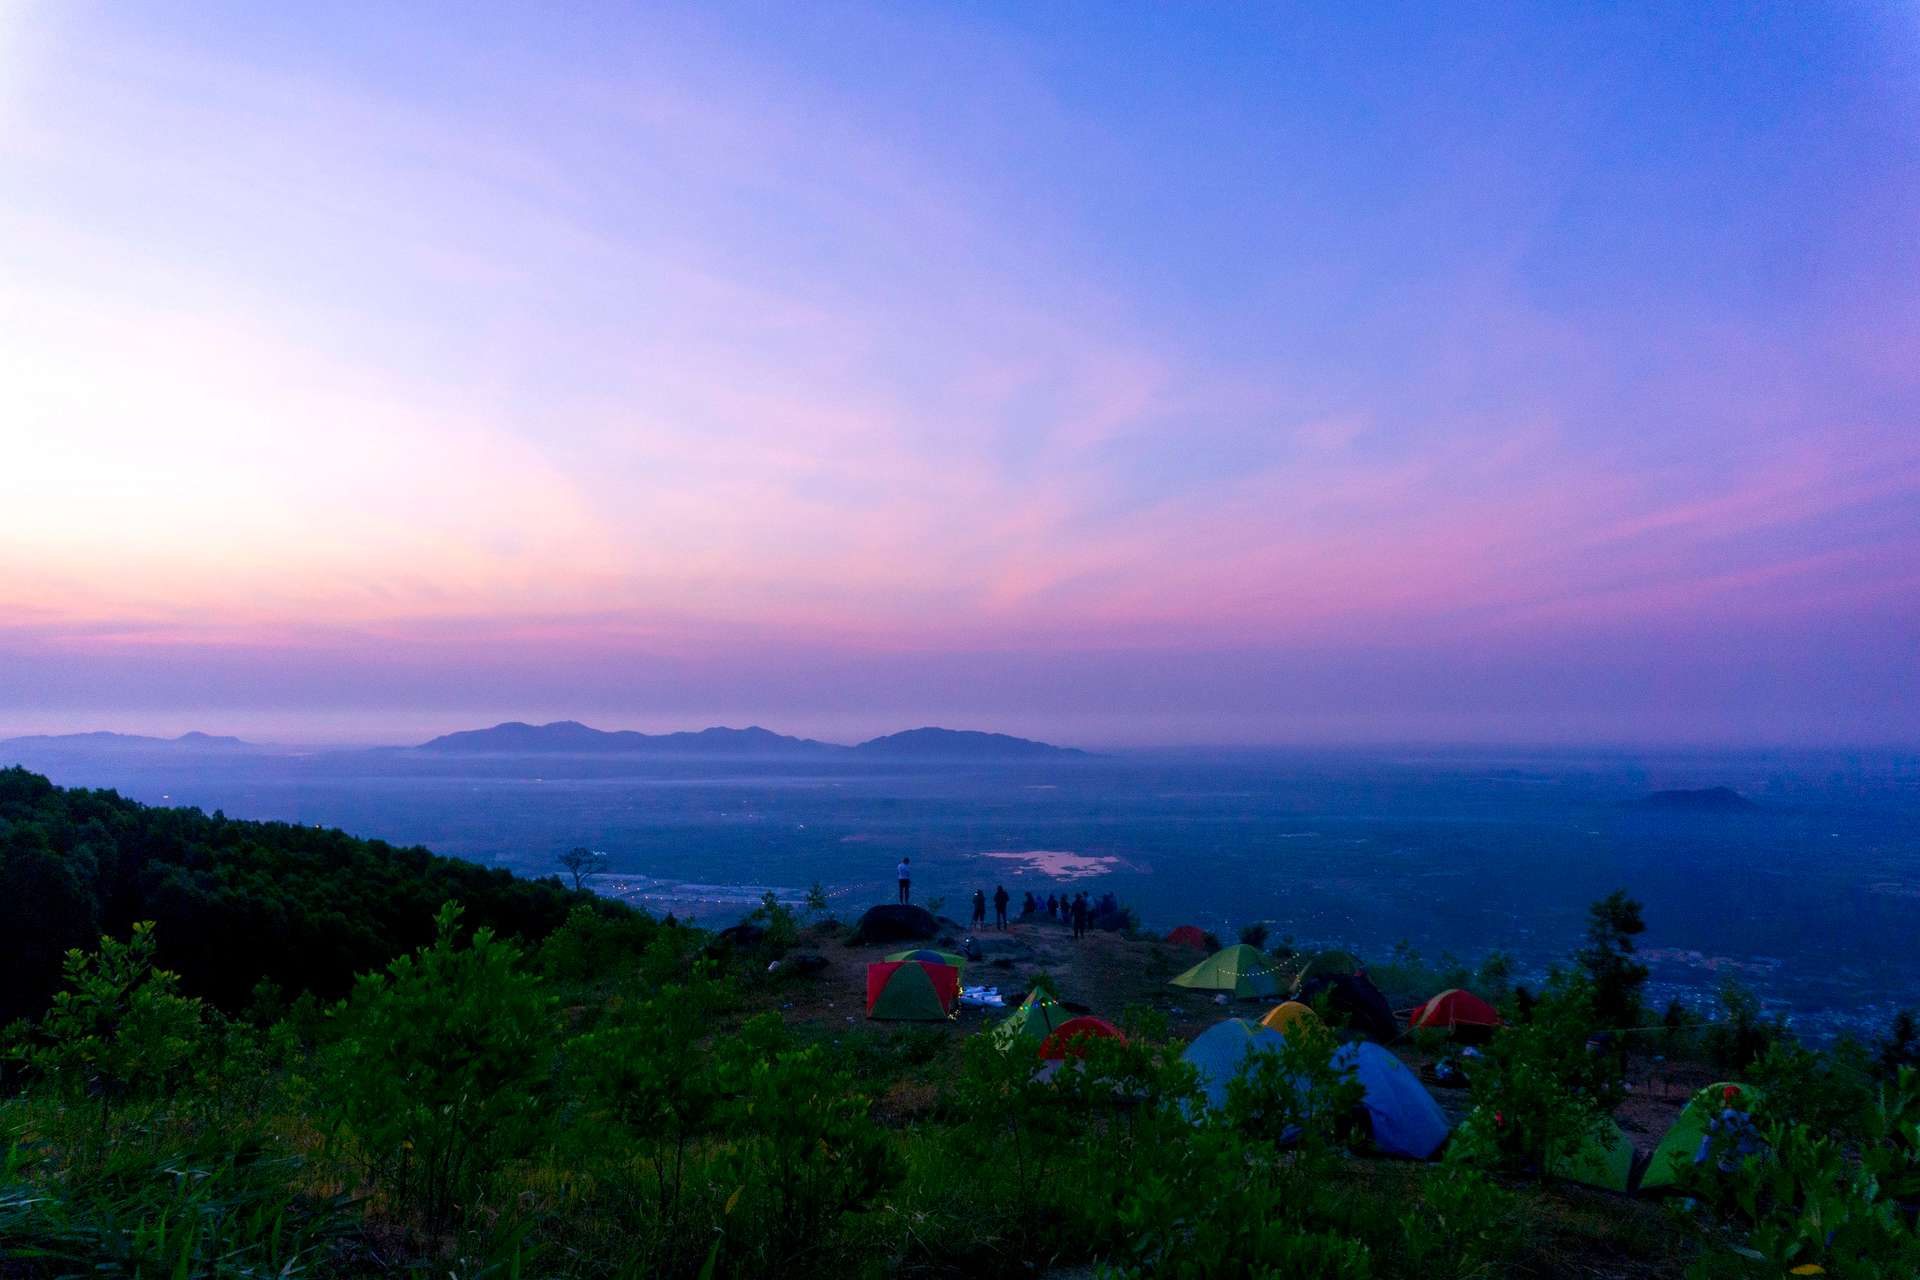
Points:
[(979, 909), (1028, 906), (1000, 906), (1080, 915), (1053, 907), (906, 880)]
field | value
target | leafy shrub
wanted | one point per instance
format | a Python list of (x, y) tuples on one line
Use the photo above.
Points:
[(1296, 1095), (1197, 1214), (646, 1086), (1823, 1188), (1900, 1047), (782, 926), (1734, 1041), (1495, 976), (120, 1028), (595, 943), (1539, 1092), (1612, 925), (438, 1067), (1255, 934), (803, 1148)]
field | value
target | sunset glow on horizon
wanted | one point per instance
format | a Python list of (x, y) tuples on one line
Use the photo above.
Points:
[(1169, 375)]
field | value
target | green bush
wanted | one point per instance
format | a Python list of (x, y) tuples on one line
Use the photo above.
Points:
[(595, 944), (438, 1068), (1820, 1188), (1612, 925), (1539, 1091), (803, 1150), (120, 1028), (646, 1089), (1743, 1034)]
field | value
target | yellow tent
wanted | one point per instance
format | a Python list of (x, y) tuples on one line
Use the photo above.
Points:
[(1284, 1017)]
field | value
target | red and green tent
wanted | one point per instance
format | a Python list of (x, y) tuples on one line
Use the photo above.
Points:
[(912, 991)]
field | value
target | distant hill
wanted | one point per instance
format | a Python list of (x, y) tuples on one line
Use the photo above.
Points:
[(962, 744), (572, 737), (103, 743), (1705, 800)]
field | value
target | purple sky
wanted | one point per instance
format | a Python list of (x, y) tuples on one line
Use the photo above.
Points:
[(1217, 374)]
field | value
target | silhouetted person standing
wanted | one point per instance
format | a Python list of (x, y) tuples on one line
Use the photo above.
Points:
[(906, 880), (979, 909), (1080, 915), (1000, 906), (1053, 907)]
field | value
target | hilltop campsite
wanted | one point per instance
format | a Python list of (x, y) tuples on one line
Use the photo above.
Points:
[(575, 1088)]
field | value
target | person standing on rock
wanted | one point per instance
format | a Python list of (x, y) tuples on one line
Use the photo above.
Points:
[(979, 909), (906, 880), (1000, 906)]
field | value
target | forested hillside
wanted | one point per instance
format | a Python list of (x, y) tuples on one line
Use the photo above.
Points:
[(235, 902)]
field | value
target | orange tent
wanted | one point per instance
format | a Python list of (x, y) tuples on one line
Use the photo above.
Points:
[(1188, 935)]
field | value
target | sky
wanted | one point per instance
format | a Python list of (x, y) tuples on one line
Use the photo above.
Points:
[(1121, 374)]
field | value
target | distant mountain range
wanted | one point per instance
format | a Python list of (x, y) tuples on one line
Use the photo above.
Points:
[(102, 741), (572, 737)]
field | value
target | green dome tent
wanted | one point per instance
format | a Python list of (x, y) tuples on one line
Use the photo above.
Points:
[(1605, 1161), (1244, 971), (1679, 1149), (1038, 1016), (1322, 964)]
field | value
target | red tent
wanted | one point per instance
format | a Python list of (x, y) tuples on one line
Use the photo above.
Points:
[(1455, 1010), (1069, 1038), (915, 990), (1188, 935)]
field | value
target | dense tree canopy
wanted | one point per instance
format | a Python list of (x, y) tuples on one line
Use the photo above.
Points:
[(235, 902)]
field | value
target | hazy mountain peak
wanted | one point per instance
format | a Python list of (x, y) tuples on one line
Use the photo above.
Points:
[(933, 741)]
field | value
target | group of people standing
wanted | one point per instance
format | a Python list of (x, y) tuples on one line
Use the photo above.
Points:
[(1074, 910)]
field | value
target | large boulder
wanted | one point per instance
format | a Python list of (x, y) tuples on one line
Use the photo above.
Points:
[(894, 922), (740, 935)]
